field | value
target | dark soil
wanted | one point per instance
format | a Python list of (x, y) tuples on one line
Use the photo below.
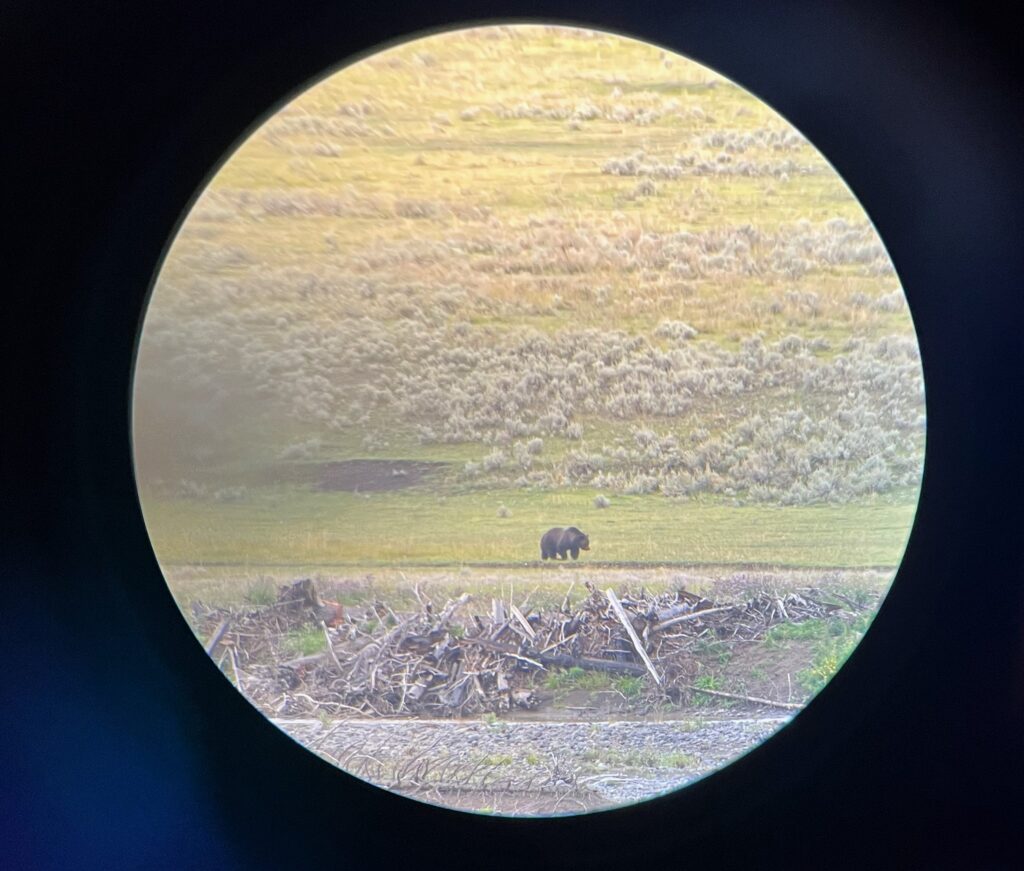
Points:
[(365, 476), (756, 669)]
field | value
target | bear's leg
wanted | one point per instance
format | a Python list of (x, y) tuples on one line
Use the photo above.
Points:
[(575, 553)]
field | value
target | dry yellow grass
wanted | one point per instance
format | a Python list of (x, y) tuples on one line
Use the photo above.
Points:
[(453, 196)]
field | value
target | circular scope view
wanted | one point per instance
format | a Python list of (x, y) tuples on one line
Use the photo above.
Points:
[(528, 420)]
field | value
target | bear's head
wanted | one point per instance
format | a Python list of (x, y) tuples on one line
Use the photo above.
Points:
[(581, 538)]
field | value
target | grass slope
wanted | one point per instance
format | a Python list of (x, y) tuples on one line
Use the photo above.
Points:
[(376, 270), (410, 527)]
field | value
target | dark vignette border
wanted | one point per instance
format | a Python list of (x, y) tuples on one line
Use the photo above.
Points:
[(131, 752)]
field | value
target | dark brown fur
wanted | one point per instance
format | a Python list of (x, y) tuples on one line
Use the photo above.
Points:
[(557, 543)]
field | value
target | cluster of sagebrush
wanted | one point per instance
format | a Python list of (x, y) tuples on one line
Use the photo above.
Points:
[(474, 249), (384, 340), (830, 431), (858, 410), (703, 163), (788, 252)]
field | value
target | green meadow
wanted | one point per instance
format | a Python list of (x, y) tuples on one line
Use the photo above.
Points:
[(419, 528), (565, 265)]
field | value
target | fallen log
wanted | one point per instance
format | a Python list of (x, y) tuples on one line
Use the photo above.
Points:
[(519, 616), (593, 664), (218, 634), (693, 615), (330, 647), (303, 661), (564, 660), (631, 632), (789, 706)]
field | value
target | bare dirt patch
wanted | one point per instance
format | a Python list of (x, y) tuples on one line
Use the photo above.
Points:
[(365, 476), (758, 670)]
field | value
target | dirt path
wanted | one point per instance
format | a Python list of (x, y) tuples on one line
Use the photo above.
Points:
[(529, 767)]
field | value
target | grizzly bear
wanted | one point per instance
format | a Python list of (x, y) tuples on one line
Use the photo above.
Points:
[(556, 543)]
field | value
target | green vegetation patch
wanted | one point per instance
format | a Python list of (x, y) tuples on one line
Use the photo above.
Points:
[(576, 678), (565, 265), (305, 641), (831, 641), (294, 527)]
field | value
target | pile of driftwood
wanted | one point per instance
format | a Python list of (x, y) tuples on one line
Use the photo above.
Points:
[(460, 659)]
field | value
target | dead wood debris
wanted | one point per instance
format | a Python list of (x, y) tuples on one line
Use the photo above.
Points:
[(470, 657)]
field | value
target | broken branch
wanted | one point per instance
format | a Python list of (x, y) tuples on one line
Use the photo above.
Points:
[(787, 705), (624, 620)]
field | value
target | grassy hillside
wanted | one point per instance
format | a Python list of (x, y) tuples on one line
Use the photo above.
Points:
[(416, 528), (564, 265)]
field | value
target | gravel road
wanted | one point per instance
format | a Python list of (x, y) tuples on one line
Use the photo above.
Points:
[(531, 767)]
